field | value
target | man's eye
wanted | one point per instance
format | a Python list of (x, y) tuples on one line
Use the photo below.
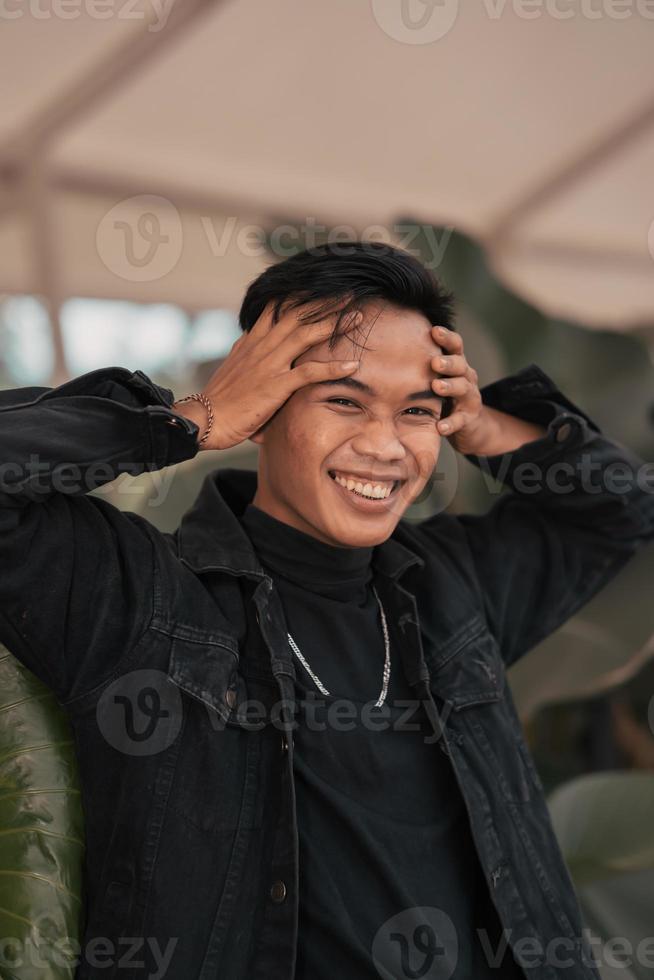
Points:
[(424, 411), (340, 401)]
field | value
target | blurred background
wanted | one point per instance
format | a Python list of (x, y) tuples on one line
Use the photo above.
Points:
[(156, 156)]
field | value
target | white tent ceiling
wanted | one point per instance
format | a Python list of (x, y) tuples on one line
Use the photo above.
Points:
[(528, 125)]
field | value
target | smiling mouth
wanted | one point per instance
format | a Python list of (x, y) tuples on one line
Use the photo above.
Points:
[(380, 490)]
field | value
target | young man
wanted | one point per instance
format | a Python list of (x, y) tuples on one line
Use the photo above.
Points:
[(299, 754)]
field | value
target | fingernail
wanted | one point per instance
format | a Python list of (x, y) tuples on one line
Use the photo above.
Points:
[(348, 365), (444, 426)]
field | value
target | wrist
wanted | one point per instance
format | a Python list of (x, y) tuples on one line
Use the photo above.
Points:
[(499, 432), (196, 412), (480, 436)]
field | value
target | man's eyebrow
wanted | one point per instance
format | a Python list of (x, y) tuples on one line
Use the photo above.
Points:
[(419, 395), (348, 383), (366, 389)]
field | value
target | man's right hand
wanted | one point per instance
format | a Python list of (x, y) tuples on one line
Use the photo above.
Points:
[(256, 377)]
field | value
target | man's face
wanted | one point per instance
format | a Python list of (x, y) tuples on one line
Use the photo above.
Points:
[(375, 430)]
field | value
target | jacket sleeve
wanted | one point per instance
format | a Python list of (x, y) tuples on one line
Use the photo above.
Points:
[(579, 506), (76, 573)]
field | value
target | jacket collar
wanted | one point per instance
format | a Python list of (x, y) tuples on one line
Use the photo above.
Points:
[(210, 535)]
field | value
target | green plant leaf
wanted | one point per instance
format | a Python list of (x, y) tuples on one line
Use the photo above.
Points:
[(603, 822), (41, 830)]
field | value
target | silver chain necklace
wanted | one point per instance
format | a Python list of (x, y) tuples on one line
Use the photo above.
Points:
[(387, 659)]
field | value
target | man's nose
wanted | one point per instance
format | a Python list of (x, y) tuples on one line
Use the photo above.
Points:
[(378, 439)]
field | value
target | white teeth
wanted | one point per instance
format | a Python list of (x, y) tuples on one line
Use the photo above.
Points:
[(376, 491)]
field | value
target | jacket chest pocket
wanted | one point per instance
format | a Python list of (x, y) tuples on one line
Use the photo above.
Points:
[(472, 681), (226, 744)]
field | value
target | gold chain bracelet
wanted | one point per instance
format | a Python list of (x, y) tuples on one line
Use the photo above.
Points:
[(198, 396)]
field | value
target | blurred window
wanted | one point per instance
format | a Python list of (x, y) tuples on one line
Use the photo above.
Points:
[(160, 339), (213, 333), (104, 333), (26, 348)]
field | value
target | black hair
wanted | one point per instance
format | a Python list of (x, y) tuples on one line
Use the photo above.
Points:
[(339, 278)]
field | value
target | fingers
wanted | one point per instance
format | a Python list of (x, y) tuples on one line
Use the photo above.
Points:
[(263, 324), (457, 420), (454, 360), (306, 335), (290, 322), (450, 364), (290, 338), (302, 339), (300, 336), (312, 371), (238, 343), (458, 381), (459, 387), (449, 339)]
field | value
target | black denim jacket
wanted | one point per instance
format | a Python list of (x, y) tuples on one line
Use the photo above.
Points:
[(168, 653)]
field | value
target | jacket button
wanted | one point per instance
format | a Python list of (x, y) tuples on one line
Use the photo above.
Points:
[(230, 698), (278, 892), (284, 742), (563, 432)]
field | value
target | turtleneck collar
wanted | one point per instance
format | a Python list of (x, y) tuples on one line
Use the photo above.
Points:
[(328, 570)]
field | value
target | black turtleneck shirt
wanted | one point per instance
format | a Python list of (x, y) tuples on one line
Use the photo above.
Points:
[(390, 880)]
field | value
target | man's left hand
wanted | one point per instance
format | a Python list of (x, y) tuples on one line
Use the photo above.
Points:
[(472, 427), (462, 426)]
